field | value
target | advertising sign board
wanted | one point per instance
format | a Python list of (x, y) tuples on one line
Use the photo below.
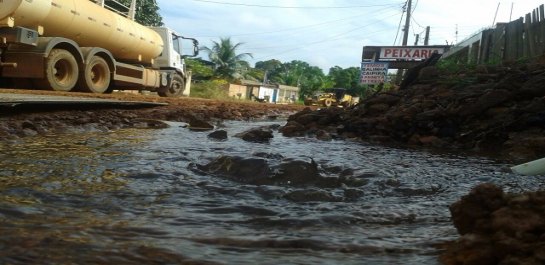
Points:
[(373, 73)]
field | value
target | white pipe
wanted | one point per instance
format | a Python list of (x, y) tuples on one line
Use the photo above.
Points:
[(532, 168)]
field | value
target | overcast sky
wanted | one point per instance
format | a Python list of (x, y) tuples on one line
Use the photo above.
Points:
[(327, 33)]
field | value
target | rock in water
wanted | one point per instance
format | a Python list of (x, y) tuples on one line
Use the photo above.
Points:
[(218, 135), (257, 135)]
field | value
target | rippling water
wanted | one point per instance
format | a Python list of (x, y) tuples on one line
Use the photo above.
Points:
[(131, 197)]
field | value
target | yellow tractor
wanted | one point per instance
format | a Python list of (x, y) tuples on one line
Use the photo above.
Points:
[(332, 97)]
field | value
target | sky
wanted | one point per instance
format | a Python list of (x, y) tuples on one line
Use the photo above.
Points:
[(328, 33)]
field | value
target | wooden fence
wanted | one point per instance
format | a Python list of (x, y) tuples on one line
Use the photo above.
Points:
[(519, 39)]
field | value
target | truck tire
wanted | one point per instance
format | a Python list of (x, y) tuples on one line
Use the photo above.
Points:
[(175, 89), (96, 76), (328, 102), (61, 71)]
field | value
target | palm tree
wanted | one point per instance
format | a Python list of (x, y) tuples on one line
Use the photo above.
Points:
[(229, 64)]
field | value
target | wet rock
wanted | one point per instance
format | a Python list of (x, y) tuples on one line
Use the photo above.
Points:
[(245, 170), (292, 129), (257, 135), (200, 125), (497, 228), (307, 118), (218, 135), (297, 172), (284, 172)]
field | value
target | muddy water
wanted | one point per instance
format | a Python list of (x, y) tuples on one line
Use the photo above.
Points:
[(133, 197)]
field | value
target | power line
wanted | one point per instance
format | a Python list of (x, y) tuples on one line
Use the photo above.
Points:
[(302, 27), (332, 38), (289, 7), (400, 21)]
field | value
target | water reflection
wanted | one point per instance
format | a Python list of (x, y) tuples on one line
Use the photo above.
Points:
[(131, 196)]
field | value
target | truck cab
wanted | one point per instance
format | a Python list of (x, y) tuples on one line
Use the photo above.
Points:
[(172, 56)]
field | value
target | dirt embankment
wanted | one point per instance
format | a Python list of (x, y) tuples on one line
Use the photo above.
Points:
[(31, 120), (493, 110)]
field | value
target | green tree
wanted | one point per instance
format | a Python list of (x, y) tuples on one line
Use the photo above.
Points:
[(347, 78), (199, 68), (147, 11), (272, 68), (308, 78), (229, 64)]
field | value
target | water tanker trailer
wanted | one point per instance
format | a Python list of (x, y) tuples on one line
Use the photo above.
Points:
[(83, 45)]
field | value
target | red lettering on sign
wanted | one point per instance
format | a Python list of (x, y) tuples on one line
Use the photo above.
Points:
[(387, 52), (425, 53), (407, 53)]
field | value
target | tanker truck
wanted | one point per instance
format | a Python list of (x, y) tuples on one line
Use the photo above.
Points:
[(85, 45)]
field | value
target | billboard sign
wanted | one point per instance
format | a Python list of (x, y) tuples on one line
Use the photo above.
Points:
[(373, 73), (409, 53)]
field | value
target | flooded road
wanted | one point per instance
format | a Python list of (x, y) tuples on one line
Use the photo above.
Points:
[(141, 197)]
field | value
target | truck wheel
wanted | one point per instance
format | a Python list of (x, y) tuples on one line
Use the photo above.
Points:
[(176, 87), (328, 102), (96, 76), (61, 71)]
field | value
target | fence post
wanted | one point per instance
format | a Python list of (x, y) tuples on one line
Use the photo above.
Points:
[(542, 29), (529, 37)]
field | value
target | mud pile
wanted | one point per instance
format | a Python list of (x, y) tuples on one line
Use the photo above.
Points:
[(498, 228), (489, 109)]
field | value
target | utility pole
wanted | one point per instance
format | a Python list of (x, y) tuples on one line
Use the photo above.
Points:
[(400, 72), (407, 23), (427, 37), (416, 39)]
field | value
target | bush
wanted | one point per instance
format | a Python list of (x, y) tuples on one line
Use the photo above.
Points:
[(213, 89)]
